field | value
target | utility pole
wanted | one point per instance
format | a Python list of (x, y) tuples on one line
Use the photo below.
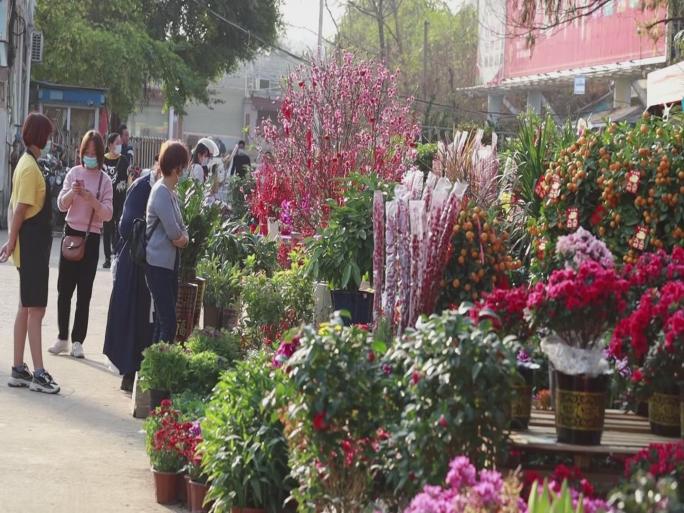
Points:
[(425, 58), (320, 29)]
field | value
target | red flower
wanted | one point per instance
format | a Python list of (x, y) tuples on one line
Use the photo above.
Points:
[(637, 376), (443, 422), (319, 423), (371, 356), (587, 488), (415, 377), (166, 403)]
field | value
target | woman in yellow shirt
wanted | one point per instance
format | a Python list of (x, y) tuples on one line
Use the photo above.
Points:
[(29, 243)]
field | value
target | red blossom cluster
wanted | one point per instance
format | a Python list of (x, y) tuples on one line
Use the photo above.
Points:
[(173, 436), (505, 307), (653, 270), (273, 332), (573, 475), (657, 459)]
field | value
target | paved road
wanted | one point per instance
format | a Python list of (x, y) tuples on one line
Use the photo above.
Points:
[(81, 451)]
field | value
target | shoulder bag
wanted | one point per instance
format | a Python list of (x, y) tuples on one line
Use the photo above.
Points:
[(73, 246)]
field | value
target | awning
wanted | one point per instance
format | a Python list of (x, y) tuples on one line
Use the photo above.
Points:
[(609, 71), (665, 85)]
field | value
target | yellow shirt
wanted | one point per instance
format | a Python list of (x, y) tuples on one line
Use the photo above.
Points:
[(28, 187)]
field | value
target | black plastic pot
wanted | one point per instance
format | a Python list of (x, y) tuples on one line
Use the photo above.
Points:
[(156, 398), (521, 403), (212, 317), (358, 304), (664, 412), (580, 407)]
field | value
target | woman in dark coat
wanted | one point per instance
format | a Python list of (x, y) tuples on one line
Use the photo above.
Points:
[(129, 323)]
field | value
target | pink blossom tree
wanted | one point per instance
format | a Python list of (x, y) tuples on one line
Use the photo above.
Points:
[(337, 117)]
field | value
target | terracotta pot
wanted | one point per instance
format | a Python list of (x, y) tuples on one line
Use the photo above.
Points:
[(521, 404), (156, 398), (201, 286), (212, 317), (664, 413), (229, 318), (185, 310), (183, 489), (580, 406), (197, 493), (359, 305), (166, 485)]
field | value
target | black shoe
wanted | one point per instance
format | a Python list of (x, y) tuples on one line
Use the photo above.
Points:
[(44, 383), (107, 264), (127, 382), (21, 377)]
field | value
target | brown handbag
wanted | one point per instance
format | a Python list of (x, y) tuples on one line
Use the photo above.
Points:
[(73, 246)]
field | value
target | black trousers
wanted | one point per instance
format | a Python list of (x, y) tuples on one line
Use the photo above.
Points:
[(77, 276), (110, 237)]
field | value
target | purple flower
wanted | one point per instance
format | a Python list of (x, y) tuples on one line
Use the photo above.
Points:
[(488, 490), (523, 356), (581, 246), (196, 429), (387, 369), (461, 473)]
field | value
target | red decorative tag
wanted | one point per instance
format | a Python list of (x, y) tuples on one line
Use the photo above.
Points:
[(540, 188), (555, 187), (633, 180), (639, 239), (573, 218)]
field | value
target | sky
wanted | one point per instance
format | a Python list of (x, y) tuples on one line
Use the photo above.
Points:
[(301, 21)]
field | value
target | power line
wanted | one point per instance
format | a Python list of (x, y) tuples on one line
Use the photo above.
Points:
[(250, 33)]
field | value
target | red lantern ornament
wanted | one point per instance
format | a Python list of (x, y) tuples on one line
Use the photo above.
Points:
[(573, 218), (555, 187), (638, 241), (633, 180)]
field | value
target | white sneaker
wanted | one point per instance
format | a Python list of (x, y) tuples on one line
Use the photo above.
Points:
[(77, 350), (59, 347)]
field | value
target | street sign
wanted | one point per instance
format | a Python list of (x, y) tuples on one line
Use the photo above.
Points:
[(580, 85)]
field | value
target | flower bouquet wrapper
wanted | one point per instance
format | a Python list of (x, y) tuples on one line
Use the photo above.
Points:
[(574, 361)]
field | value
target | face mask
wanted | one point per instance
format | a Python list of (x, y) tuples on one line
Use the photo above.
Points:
[(204, 161), (117, 149), (90, 162), (44, 152)]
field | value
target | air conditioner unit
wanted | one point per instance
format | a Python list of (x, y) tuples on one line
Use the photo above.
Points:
[(37, 47)]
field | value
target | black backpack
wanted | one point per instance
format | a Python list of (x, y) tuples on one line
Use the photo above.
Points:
[(137, 242)]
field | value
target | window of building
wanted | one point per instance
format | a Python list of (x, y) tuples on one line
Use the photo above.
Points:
[(264, 83)]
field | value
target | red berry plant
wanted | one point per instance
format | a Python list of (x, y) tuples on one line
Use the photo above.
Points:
[(337, 116)]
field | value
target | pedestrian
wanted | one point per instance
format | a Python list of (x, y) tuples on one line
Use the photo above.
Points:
[(116, 166), (205, 150), (126, 148), (241, 161), (29, 242), (166, 236), (86, 197), (129, 328)]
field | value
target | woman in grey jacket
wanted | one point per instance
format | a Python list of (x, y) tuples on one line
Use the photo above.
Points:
[(166, 236)]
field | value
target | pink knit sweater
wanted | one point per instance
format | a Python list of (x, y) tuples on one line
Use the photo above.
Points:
[(77, 209)]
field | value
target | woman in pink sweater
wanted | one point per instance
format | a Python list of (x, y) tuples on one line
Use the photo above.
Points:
[(86, 197)]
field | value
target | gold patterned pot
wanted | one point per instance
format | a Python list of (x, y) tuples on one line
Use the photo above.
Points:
[(580, 408), (664, 413), (521, 402)]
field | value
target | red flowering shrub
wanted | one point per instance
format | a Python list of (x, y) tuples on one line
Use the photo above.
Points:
[(653, 270), (337, 117), (579, 305), (660, 460), (651, 338), (506, 309), (572, 475), (167, 438)]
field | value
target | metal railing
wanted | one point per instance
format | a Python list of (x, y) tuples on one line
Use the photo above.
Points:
[(144, 149)]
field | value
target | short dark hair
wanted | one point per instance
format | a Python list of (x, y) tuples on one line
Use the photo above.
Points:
[(156, 157), (112, 137), (173, 155), (241, 143), (95, 137), (36, 130), (122, 128)]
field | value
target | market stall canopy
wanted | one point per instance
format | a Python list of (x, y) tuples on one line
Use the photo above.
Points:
[(666, 85)]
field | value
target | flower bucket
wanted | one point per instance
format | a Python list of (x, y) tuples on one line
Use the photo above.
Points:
[(185, 310), (198, 492), (664, 413), (201, 286), (521, 403), (166, 485), (359, 305), (156, 398), (580, 408), (212, 317)]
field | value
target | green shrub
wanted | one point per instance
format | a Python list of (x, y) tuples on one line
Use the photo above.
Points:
[(224, 343), (245, 452), (164, 367), (455, 383), (191, 405), (204, 371), (222, 288)]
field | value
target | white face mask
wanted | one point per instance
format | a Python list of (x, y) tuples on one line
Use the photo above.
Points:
[(117, 149)]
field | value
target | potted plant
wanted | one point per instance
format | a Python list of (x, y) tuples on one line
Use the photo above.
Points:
[(342, 252), (651, 340), (505, 309), (222, 293), (163, 370), (197, 480), (575, 309), (244, 451), (165, 447)]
